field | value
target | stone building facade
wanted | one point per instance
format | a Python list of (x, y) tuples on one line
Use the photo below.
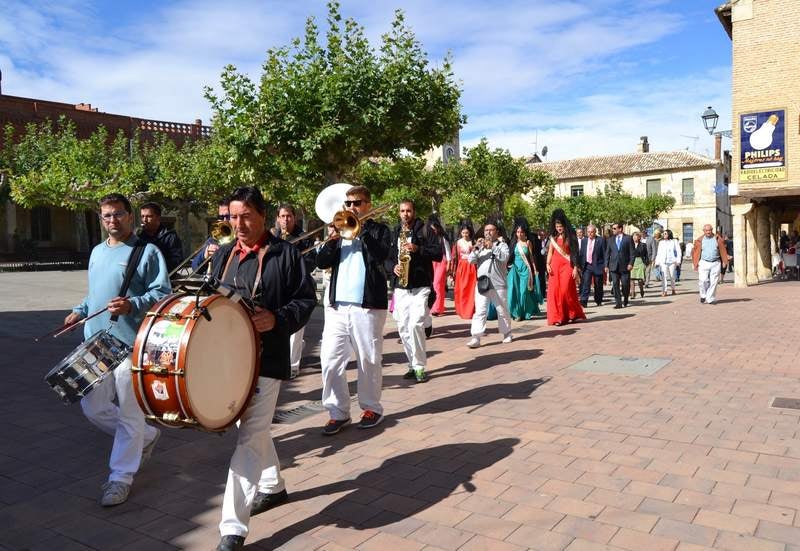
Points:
[(765, 84), (698, 184)]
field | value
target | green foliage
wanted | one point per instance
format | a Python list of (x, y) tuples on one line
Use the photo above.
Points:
[(319, 110)]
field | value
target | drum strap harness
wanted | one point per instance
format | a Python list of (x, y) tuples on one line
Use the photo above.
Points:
[(262, 252), (133, 263)]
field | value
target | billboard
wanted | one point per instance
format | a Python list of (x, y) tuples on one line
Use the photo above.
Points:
[(762, 142)]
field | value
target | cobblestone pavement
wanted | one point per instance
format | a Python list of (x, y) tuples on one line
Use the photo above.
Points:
[(505, 448)]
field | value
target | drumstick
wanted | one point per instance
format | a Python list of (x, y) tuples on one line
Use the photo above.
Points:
[(69, 326)]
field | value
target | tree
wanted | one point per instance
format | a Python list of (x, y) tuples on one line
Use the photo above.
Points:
[(318, 111)]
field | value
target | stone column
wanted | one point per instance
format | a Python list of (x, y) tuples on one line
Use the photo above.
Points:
[(773, 231), (764, 266), (739, 211), (752, 248)]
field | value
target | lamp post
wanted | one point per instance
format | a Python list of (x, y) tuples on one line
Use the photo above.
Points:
[(710, 119)]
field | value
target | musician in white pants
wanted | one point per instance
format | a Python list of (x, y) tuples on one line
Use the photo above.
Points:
[(491, 257), (133, 439), (412, 281), (355, 318), (271, 276)]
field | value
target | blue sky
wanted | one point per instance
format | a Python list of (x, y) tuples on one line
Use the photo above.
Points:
[(587, 77)]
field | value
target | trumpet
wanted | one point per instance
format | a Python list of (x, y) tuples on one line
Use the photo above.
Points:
[(221, 232)]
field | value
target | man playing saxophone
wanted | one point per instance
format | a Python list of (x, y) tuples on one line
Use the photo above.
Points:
[(410, 262)]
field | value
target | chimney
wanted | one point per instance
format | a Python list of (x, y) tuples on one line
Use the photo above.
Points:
[(718, 147), (643, 146), (85, 107)]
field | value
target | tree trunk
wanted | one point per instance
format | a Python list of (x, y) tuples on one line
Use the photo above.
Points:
[(81, 230)]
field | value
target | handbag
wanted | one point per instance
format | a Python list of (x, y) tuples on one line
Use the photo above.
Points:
[(484, 282)]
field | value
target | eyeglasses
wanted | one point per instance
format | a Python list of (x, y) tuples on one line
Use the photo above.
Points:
[(354, 203), (113, 215), (223, 217)]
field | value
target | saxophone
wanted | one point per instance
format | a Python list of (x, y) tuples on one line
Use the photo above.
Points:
[(403, 258)]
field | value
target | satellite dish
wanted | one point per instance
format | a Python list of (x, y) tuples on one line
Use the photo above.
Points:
[(544, 151)]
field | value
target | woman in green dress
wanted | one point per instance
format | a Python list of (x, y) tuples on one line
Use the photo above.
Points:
[(524, 295), (640, 262)]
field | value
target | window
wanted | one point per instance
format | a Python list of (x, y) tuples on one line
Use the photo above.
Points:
[(687, 191), (688, 232), (40, 224), (653, 186), (576, 191)]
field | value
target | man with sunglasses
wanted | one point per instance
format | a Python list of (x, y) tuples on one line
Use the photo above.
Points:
[(356, 315), (133, 439), (211, 245)]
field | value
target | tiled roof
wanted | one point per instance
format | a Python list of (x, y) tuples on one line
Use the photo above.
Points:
[(620, 165)]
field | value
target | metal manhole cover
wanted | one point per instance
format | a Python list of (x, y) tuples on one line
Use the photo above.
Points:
[(785, 403), (620, 365), (288, 416)]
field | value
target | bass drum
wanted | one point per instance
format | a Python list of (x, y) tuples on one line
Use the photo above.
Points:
[(196, 362)]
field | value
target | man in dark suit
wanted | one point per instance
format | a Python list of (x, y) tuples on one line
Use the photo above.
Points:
[(592, 263), (619, 261)]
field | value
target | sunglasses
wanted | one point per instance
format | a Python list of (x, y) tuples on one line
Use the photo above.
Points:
[(353, 203), (223, 217)]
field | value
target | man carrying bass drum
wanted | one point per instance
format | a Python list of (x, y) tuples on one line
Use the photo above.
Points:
[(272, 275), (133, 439)]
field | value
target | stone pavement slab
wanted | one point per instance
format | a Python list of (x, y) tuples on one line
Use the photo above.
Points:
[(504, 448)]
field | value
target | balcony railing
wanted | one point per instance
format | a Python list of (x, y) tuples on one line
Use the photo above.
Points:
[(687, 198)]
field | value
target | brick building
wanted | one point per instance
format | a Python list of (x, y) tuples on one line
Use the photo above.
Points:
[(51, 230), (765, 183)]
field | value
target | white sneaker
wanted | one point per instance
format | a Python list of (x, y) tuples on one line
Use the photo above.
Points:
[(295, 372), (114, 493), (507, 338), (474, 342)]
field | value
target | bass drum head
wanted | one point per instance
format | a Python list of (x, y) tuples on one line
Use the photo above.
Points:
[(221, 363)]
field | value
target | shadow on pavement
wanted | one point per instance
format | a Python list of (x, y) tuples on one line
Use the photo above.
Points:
[(401, 487), (731, 300)]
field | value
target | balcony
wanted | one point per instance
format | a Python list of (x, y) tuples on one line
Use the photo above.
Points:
[(687, 198)]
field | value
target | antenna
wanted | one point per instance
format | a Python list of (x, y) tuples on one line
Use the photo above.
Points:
[(694, 141)]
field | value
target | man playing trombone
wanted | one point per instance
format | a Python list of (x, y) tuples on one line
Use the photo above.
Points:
[(356, 315), (411, 264)]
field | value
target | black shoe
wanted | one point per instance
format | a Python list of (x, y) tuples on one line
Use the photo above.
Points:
[(429, 331), (617, 306), (370, 419), (265, 502), (410, 374), (702, 301), (599, 304), (584, 303), (625, 304), (230, 543), (334, 425)]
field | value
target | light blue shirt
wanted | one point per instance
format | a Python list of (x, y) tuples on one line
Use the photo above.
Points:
[(107, 266), (710, 250), (352, 272)]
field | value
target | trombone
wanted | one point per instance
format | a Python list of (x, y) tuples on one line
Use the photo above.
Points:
[(348, 225)]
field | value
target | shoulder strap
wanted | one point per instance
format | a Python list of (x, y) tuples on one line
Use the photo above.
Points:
[(133, 263)]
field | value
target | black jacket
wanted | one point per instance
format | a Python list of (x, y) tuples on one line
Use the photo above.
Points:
[(168, 243), (376, 240), (287, 290), (640, 251), (618, 260), (421, 265)]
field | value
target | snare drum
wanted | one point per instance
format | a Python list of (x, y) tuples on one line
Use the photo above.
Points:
[(190, 370), (86, 366)]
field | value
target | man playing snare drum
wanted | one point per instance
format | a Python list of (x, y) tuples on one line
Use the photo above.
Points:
[(272, 275), (133, 439)]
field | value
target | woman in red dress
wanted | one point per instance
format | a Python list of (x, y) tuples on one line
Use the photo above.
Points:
[(563, 305), (465, 279)]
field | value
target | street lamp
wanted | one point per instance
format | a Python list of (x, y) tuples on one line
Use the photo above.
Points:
[(710, 119)]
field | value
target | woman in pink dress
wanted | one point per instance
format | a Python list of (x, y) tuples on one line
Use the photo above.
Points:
[(563, 305), (465, 280)]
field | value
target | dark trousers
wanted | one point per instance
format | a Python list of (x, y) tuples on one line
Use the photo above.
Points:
[(620, 279), (587, 279)]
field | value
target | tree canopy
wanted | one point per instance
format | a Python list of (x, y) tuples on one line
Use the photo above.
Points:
[(318, 109)]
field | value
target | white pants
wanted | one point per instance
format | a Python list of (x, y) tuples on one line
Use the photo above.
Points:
[(410, 311), (352, 328), (125, 423), (708, 277), (254, 460), (498, 297), (296, 344), (667, 276)]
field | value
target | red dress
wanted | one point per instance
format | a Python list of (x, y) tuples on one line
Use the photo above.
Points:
[(563, 305), (466, 278)]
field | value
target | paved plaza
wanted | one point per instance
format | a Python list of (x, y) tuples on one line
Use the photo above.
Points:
[(505, 448)]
